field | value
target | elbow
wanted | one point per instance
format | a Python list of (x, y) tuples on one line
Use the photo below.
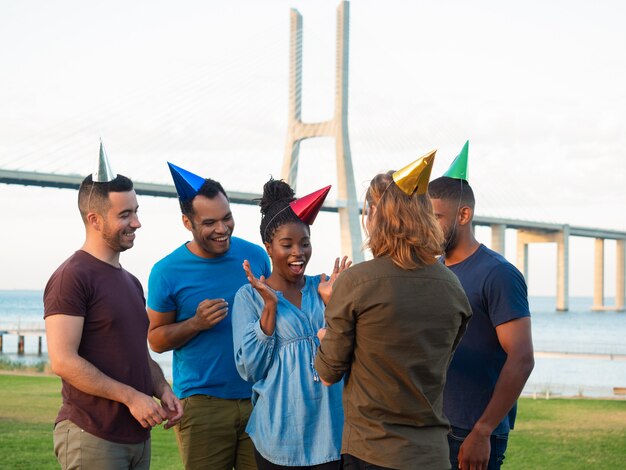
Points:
[(155, 344), (60, 366), (56, 368), (530, 363), (526, 363), (242, 368), (156, 347), (248, 376)]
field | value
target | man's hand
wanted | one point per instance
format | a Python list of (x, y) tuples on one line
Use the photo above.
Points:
[(209, 313), (173, 408), (145, 410), (475, 450)]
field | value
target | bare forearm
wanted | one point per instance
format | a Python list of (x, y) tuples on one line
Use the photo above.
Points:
[(159, 383), (89, 379), (172, 336), (508, 388)]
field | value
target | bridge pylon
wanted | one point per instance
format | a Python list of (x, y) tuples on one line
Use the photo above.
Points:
[(337, 127)]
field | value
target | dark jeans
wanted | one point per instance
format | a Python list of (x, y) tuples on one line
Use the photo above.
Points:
[(498, 447), (263, 464), (350, 462)]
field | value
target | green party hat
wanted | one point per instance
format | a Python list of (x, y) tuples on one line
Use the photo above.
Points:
[(458, 169)]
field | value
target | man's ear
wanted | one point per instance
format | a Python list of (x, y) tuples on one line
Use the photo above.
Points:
[(465, 215), (94, 220), (187, 222)]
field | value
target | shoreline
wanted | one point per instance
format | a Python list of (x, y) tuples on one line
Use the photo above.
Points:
[(580, 355)]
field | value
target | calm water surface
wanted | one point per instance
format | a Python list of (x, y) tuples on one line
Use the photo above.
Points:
[(578, 331)]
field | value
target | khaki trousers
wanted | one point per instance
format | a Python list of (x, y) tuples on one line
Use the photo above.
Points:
[(212, 434), (77, 449)]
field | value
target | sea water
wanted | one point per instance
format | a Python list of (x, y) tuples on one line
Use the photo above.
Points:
[(578, 353)]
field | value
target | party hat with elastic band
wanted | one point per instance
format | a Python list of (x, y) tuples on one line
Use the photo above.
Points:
[(307, 207), (458, 168), (187, 184), (103, 173), (413, 178)]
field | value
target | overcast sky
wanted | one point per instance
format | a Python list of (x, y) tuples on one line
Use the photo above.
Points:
[(537, 87)]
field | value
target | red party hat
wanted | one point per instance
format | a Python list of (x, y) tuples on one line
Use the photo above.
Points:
[(307, 207)]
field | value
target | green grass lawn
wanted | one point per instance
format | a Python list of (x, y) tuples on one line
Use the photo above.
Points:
[(568, 434), (554, 434), (28, 406)]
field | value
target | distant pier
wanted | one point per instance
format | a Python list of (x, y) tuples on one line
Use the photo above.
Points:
[(22, 330)]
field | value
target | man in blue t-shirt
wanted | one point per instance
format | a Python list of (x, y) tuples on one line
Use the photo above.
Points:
[(495, 357), (190, 294)]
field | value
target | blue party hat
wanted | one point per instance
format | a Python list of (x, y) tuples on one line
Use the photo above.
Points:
[(187, 184)]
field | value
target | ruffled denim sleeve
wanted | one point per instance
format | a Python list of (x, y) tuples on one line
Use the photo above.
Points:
[(254, 350)]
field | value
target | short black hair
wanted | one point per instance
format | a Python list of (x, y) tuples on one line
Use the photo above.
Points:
[(209, 189), (94, 196), (452, 189), (275, 208)]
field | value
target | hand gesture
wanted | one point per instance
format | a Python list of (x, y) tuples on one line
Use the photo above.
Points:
[(209, 313), (267, 293), (325, 287), (172, 407), (145, 410)]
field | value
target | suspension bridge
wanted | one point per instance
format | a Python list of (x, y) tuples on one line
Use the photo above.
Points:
[(56, 159)]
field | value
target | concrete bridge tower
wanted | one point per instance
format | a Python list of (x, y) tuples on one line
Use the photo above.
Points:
[(336, 127)]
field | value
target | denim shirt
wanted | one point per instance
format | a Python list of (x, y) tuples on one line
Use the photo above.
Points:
[(296, 420)]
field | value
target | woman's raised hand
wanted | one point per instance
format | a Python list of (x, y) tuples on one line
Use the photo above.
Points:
[(325, 287), (259, 284)]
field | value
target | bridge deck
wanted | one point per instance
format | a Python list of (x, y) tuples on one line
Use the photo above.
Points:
[(51, 180)]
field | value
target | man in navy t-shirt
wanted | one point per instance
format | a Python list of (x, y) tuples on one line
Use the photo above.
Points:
[(190, 296), (495, 357)]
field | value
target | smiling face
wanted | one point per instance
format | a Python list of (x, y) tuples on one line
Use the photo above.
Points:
[(211, 224), (290, 251), (120, 221)]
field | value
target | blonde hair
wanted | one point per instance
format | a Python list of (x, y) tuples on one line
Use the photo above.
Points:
[(403, 227)]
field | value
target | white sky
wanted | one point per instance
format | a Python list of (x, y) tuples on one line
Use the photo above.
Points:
[(537, 87)]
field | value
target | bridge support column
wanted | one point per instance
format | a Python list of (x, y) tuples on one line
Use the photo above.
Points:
[(562, 270), (337, 127), (525, 237), (598, 275), (620, 271), (522, 254), (498, 232)]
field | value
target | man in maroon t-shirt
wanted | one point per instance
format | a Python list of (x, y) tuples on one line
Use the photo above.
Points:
[(96, 326)]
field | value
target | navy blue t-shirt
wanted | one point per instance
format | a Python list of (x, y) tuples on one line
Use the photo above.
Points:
[(497, 293)]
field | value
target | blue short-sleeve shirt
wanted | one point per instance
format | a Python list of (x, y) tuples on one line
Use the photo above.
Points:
[(497, 294), (179, 282)]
